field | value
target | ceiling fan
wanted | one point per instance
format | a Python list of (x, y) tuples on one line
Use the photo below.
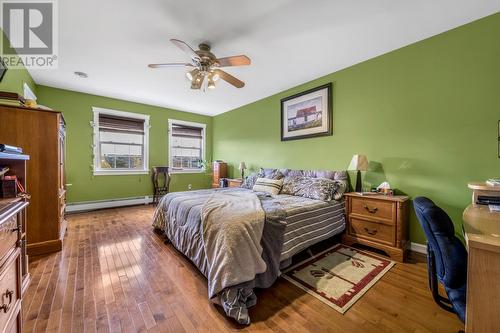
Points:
[(205, 67)]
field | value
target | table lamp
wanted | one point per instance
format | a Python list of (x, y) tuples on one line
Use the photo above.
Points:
[(359, 163), (242, 168)]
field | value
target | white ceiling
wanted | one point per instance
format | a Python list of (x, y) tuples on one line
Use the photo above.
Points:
[(289, 41)]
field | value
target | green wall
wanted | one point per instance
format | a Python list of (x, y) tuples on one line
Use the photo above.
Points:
[(77, 110), (14, 78), (426, 114)]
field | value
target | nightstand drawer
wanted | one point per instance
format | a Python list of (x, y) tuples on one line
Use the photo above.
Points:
[(234, 182), (381, 233), (373, 208)]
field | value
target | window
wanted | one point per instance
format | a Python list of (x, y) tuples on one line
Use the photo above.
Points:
[(120, 142), (186, 146)]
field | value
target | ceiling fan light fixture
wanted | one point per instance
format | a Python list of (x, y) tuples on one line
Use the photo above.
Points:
[(195, 85), (192, 74), (211, 83), (204, 66)]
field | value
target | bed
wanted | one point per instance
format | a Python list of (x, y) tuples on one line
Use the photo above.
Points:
[(290, 225)]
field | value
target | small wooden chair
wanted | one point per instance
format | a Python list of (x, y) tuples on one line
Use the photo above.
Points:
[(161, 181)]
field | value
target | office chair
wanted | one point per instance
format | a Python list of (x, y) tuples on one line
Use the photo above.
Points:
[(446, 256)]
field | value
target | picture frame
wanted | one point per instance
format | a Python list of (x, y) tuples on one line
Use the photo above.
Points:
[(308, 114), (3, 69)]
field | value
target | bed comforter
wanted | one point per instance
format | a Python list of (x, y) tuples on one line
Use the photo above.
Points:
[(180, 216)]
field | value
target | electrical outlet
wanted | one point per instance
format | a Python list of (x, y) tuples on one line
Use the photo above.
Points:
[(190, 187)]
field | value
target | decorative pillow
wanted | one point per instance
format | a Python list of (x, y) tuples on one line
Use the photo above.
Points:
[(271, 186), (249, 181), (271, 173), (314, 188)]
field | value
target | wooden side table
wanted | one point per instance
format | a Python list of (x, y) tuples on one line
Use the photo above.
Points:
[(234, 182), (378, 221)]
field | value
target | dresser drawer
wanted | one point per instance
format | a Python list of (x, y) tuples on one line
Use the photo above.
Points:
[(381, 233), (373, 208), (9, 288), (8, 235)]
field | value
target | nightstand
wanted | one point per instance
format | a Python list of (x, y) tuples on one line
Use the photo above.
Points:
[(234, 182), (378, 221)]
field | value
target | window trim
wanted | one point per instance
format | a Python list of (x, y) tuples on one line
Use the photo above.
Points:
[(203, 144), (97, 171)]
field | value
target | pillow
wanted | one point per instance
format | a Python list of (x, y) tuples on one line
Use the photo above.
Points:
[(271, 173), (271, 186), (249, 181), (314, 188)]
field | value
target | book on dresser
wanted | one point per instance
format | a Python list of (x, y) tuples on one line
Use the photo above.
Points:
[(14, 275), (41, 134)]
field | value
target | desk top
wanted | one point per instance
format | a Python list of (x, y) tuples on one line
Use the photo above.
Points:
[(482, 228), (482, 186)]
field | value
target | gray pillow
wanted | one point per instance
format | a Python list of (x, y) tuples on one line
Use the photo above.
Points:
[(314, 188), (249, 181), (271, 173)]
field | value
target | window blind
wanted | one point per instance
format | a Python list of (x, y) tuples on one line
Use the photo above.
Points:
[(186, 131), (114, 123)]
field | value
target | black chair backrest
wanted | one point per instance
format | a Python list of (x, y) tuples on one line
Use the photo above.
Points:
[(450, 254), (161, 177)]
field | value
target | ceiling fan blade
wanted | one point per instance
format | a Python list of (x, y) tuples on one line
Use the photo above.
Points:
[(169, 65), (239, 60), (186, 48), (230, 79)]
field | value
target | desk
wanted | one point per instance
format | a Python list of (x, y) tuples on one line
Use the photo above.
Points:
[(482, 235)]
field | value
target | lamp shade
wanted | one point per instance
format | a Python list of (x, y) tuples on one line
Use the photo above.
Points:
[(242, 166), (358, 162)]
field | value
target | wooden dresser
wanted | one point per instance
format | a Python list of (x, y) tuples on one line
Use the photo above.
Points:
[(377, 221), (41, 134), (219, 171), (14, 276)]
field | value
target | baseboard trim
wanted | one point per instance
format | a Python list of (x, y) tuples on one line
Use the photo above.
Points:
[(36, 249), (93, 205), (417, 247)]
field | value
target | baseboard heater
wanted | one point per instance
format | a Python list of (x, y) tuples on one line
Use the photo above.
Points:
[(110, 203)]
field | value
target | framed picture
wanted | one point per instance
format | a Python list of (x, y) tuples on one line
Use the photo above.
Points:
[(3, 69), (307, 114)]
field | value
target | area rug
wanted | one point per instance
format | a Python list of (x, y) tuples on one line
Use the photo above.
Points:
[(338, 276)]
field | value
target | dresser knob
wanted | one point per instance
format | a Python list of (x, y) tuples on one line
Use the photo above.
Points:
[(370, 210)]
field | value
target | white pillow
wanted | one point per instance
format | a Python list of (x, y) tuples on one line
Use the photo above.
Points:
[(271, 186)]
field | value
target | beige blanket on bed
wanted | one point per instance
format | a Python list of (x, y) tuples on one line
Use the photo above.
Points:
[(232, 230)]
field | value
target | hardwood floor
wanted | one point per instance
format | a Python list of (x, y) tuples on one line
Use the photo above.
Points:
[(115, 275)]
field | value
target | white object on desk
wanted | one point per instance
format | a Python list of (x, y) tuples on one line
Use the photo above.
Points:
[(494, 208)]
